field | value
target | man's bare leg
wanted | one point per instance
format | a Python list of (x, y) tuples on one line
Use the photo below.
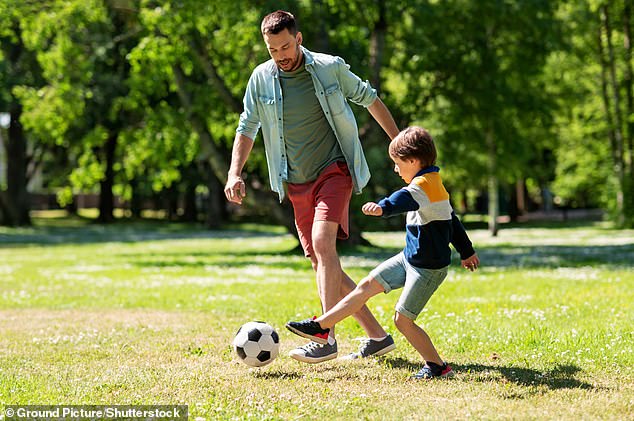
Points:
[(332, 282)]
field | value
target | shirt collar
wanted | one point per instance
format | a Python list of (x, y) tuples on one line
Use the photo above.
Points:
[(431, 168)]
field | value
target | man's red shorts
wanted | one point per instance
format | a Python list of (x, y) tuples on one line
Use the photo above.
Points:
[(325, 199)]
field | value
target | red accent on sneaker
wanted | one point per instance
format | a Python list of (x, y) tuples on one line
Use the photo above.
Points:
[(320, 335), (446, 371)]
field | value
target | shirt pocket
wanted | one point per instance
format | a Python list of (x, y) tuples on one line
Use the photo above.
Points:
[(335, 100), (266, 104)]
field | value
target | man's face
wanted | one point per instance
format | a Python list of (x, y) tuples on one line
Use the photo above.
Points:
[(284, 49)]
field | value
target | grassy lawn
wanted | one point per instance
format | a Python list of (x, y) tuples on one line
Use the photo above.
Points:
[(145, 314)]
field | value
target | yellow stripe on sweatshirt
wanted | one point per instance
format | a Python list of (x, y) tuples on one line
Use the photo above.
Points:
[(431, 184)]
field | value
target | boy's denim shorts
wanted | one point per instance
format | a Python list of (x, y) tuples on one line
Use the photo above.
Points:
[(418, 283)]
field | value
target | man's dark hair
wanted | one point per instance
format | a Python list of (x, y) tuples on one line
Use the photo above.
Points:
[(276, 22), (414, 143)]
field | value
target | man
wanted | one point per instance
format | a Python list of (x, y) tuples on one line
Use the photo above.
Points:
[(299, 98)]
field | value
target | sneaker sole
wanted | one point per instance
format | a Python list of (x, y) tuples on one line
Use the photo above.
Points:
[(307, 336), (313, 360)]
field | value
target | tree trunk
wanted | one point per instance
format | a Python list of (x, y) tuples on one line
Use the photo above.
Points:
[(215, 213), (615, 134), (136, 199), (190, 209), (513, 208), (377, 46), (371, 133), (15, 201), (520, 194), (493, 184), (106, 196), (628, 80)]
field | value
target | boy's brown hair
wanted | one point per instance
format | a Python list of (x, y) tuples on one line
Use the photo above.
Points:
[(414, 143), (276, 22)]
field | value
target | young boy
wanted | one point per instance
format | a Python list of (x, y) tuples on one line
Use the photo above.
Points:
[(422, 266)]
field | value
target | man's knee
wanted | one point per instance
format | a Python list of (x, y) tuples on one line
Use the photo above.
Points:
[(325, 242)]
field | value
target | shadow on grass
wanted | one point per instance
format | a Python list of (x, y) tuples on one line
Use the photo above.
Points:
[(277, 375), (500, 256), (561, 376), (120, 233), (556, 256)]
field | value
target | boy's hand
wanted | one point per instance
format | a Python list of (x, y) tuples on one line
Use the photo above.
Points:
[(372, 209), (471, 263)]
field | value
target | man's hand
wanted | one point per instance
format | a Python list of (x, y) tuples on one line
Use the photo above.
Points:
[(372, 209), (471, 263), (235, 189)]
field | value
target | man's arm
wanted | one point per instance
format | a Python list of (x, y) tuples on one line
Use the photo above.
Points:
[(235, 189), (382, 115)]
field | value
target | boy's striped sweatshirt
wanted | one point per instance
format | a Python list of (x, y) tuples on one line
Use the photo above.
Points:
[(431, 222)]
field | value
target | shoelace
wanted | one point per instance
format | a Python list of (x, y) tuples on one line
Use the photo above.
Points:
[(365, 342), (311, 346)]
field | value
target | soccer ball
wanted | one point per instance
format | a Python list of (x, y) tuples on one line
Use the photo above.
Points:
[(256, 344)]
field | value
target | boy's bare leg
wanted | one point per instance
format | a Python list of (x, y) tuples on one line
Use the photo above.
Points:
[(363, 316), (351, 303), (418, 338)]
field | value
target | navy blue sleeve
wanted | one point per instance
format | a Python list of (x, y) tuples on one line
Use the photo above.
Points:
[(400, 201), (459, 238)]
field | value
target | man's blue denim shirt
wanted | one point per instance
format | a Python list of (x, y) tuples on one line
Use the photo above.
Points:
[(334, 83)]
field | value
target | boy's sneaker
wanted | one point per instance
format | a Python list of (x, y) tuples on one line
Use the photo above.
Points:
[(309, 329), (313, 352), (371, 348), (436, 371)]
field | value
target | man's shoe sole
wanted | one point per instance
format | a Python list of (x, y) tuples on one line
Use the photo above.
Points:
[(307, 336), (311, 360)]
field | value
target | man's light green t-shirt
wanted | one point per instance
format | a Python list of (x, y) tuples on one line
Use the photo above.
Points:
[(311, 144)]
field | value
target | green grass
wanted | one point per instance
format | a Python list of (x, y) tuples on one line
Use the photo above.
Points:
[(144, 313)]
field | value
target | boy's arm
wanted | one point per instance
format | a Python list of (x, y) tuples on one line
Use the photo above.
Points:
[(460, 240), (400, 201)]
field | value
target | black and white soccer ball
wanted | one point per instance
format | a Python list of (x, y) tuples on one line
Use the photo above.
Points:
[(256, 344)]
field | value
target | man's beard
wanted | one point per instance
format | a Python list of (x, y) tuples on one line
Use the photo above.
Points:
[(289, 65)]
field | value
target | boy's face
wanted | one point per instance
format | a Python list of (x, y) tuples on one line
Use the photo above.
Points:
[(406, 168), (284, 49)]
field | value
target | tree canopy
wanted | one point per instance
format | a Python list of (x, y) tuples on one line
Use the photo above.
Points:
[(139, 99)]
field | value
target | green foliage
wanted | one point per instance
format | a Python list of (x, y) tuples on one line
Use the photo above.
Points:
[(166, 79)]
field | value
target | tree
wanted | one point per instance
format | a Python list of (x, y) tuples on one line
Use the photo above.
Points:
[(593, 75), (18, 67), (479, 86), (82, 48)]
